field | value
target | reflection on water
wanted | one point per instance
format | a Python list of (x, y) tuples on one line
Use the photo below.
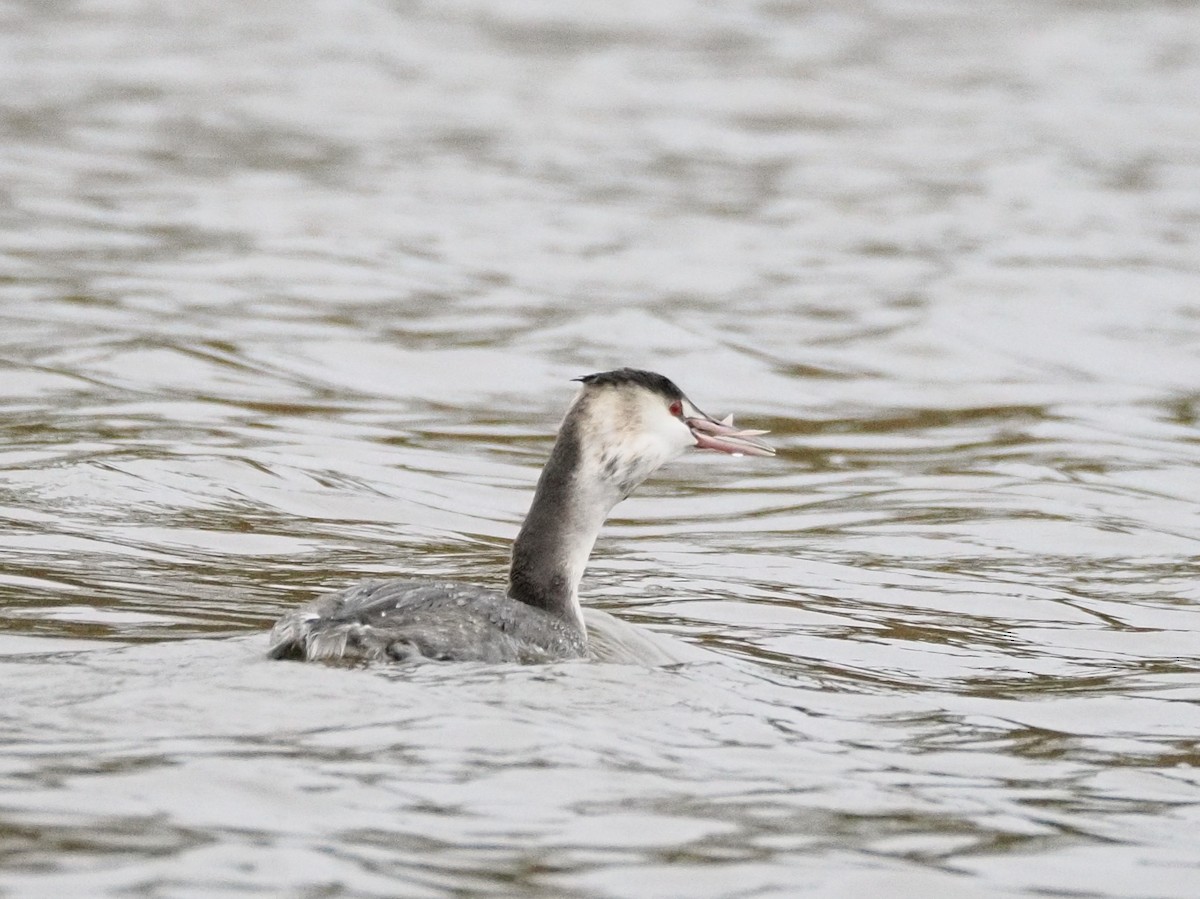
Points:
[(291, 296)]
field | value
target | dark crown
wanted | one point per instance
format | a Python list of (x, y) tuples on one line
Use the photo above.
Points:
[(647, 379)]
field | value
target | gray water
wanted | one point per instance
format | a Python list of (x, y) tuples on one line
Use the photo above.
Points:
[(291, 294)]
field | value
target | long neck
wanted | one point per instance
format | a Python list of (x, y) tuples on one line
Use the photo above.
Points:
[(569, 507)]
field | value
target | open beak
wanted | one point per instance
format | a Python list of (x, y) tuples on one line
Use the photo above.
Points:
[(723, 437)]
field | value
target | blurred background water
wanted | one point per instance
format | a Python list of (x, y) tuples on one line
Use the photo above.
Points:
[(291, 294)]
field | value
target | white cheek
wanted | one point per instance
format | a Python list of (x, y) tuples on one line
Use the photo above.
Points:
[(685, 439), (671, 437)]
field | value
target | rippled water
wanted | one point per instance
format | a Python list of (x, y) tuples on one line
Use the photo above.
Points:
[(290, 295)]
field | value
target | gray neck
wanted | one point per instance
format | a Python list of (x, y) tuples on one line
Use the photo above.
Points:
[(569, 507)]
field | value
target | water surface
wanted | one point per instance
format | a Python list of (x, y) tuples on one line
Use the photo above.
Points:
[(291, 294)]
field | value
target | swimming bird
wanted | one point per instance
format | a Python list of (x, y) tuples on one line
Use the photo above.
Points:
[(621, 427)]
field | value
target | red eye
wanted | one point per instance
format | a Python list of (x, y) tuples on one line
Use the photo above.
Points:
[(676, 408)]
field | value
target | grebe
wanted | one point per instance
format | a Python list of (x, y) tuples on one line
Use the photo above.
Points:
[(621, 426)]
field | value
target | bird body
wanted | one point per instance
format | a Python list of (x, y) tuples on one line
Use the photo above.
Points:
[(621, 427)]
